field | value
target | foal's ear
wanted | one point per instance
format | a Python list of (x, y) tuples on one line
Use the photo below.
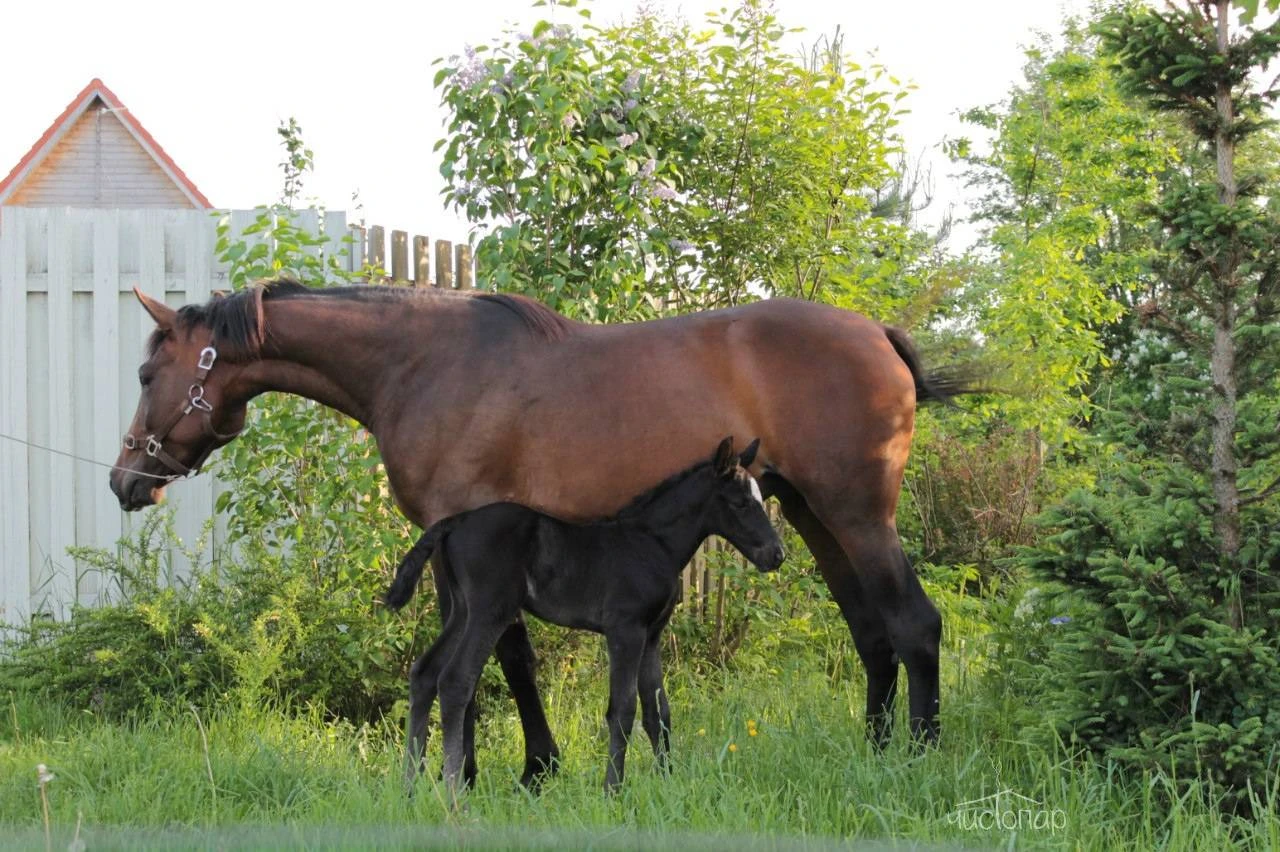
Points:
[(160, 312), (749, 454), (724, 460)]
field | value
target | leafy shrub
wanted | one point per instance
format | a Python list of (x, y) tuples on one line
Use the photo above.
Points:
[(653, 162), (970, 498), (118, 657), (262, 629)]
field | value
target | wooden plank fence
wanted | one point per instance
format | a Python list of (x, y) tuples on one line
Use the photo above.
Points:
[(71, 339), (454, 265)]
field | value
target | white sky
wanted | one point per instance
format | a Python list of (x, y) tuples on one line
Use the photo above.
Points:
[(211, 81)]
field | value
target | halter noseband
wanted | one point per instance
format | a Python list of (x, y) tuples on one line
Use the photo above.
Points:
[(153, 444)]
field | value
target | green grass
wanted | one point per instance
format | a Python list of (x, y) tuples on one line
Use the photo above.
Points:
[(806, 780)]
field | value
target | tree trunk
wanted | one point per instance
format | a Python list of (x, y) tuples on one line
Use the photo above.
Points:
[(1226, 493)]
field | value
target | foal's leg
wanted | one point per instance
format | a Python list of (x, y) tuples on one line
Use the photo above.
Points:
[(516, 655), (626, 646), (423, 686), (870, 636), (655, 711), (458, 680), (518, 660), (445, 601)]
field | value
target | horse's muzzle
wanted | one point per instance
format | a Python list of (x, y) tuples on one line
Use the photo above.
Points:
[(771, 559), (136, 492)]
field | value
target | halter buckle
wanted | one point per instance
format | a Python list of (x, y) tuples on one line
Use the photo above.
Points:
[(207, 356), (130, 442), (153, 446), (195, 394)]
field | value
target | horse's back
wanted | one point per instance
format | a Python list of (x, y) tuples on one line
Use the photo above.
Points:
[(811, 381), (574, 426)]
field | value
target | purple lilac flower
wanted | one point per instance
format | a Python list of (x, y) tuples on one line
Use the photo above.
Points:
[(647, 169), (626, 140), (1060, 619), (630, 104), (662, 192), (632, 83), (680, 246), (569, 121), (469, 75)]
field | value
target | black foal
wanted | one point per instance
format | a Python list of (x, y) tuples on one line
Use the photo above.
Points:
[(619, 577)]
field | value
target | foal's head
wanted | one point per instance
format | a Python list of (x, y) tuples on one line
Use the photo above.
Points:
[(735, 510)]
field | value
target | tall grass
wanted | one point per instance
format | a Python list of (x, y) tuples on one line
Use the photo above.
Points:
[(247, 776)]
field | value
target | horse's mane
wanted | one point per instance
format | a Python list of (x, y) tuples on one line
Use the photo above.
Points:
[(239, 331)]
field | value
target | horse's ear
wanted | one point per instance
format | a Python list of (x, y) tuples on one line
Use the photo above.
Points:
[(724, 460), (749, 454), (160, 312)]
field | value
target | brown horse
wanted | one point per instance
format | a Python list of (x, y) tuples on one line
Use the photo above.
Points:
[(487, 398)]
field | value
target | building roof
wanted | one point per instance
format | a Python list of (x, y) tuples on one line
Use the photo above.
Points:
[(97, 90)]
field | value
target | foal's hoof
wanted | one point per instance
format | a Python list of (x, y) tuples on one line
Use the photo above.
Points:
[(537, 770)]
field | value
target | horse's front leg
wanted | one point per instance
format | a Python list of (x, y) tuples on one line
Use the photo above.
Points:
[(626, 646)]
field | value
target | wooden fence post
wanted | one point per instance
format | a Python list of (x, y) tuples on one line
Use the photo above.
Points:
[(463, 264), (444, 264), (421, 262), (376, 254), (399, 257)]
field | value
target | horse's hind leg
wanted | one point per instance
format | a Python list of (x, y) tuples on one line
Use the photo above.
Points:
[(870, 636), (887, 586), (516, 656)]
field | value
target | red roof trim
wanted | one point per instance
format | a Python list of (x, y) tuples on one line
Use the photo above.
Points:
[(97, 89)]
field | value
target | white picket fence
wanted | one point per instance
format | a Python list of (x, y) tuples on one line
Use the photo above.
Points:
[(71, 340)]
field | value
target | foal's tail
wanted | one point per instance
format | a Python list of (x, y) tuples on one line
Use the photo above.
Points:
[(410, 569), (939, 385)]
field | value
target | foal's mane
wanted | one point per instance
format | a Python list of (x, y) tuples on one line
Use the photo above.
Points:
[(641, 503), (239, 331)]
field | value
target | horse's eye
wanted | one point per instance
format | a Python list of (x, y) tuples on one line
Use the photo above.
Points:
[(145, 381)]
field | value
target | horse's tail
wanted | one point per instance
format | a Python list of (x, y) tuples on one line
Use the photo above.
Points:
[(938, 385), (409, 572)]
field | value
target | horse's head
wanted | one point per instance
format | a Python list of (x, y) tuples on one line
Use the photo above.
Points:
[(736, 511), (184, 412)]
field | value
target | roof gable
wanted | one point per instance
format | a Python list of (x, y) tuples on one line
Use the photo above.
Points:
[(94, 101)]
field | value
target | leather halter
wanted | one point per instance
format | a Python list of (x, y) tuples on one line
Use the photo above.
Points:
[(153, 444)]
